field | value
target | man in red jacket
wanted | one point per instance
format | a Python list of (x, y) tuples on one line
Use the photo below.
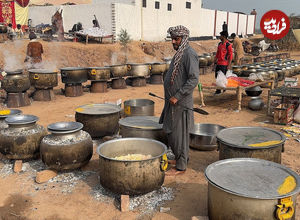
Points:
[(224, 56)]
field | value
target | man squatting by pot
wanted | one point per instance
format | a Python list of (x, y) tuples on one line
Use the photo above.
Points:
[(179, 83)]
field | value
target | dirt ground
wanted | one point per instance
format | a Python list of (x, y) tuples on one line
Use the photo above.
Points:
[(22, 198)]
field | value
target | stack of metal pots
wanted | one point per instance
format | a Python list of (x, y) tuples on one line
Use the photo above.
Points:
[(157, 71), (118, 72), (73, 77), (99, 77), (21, 139), (44, 81), (138, 73), (67, 147), (99, 120), (15, 83), (256, 103)]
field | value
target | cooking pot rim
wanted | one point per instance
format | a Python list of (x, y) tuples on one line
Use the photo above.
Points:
[(99, 68), (138, 64), (55, 128), (207, 135), (14, 72), (21, 119), (12, 112), (266, 163), (129, 102), (72, 68), (283, 138), (124, 122), (133, 138), (116, 110), (42, 71), (118, 65)]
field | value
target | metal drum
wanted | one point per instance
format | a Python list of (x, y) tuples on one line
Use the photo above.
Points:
[(254, 142), (203, 136), (143, 127), (139, 107), (99, 119), (132, 177), (251, 189)]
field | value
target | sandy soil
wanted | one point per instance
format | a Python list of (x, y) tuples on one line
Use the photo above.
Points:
[(21, 199)]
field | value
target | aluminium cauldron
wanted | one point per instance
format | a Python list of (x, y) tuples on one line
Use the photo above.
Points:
[(21, 140), (139, 69), (43, 78), (251, 142), (158, 68), (72, 75), (67, 147), (98, 73), (118, 71), (15, 81), (132, 177), (143, 127), (139, 107), (99, 120), (252, 189)]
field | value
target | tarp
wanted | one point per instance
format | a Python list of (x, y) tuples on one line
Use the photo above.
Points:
[(21, 14), (297, 34), (23, 3), (7, 13)]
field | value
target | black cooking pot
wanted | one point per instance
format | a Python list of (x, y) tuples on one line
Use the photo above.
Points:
[(74, 74), (254, 91)]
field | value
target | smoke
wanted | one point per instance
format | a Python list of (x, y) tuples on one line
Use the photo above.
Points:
[(13, 60)]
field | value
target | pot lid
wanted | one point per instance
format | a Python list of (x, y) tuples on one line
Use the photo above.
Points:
[(253, 178), (7, 112), (141, 122), (72, 68), (41, 71), (14, 72), (98, 109), (250, 137), (64, 127), (118, 65), (138, 64), (157, 63), (21, 119)]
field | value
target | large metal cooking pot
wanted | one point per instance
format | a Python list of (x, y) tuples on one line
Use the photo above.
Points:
[(202, 61), (209, 58), (21, 140), (244, 188), (15, 82), (168, 62), (139, 107), (67, 147), (158, 68), (256, 103), (73, 74), (99, 120), (254, 91), (143, 127), (42, 78), (5, 113), (254, 142), (250, 70), (138, 69), (203, 137), (118, 71), (98, 73), (237, 69), (128, 176)]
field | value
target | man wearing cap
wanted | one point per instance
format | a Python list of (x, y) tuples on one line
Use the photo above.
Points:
[(34, 52), (223, 57), (179, 83)]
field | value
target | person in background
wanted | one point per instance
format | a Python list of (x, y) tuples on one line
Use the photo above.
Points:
[(238, 49), (223, 56), (179, 83), (10, 31), (225, 27), (34, 52), (19, 31)]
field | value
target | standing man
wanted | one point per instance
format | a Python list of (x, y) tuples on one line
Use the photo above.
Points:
[(225, 27), (34, 52), (223, 57), (238, 49), (179, 83)]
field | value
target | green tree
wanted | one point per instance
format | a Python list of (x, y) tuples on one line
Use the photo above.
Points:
[(124, 39)]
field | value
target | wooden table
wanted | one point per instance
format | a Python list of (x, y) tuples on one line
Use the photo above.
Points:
[(87, 37), (239, 90)]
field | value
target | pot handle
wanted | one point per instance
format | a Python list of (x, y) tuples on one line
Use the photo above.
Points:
[(164, 163), (63, 74), (150, 67), (285, 209), (36, 76), (93, 72), (282, 150)]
